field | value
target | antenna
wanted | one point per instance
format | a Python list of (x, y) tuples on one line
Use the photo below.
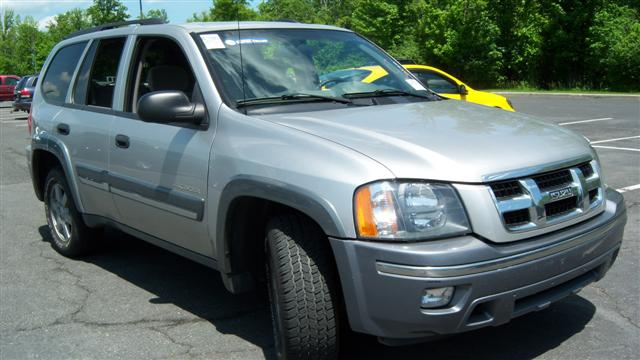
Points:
[(141, 13), (244, 94)]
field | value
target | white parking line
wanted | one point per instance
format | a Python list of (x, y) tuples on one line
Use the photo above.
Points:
[(617, 139), (629, 188), (13, 121), (615, 148), (584, 121), (21, 125)]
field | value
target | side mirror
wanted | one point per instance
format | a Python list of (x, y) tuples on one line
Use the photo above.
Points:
[(462, 89), (169, 107)]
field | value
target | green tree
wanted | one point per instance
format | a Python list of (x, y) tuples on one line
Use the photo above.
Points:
[(8, 41), (297, 10), (31, 47), (158, 14), (614, 48), (226, 10), (521, 24), (392, 24), (460, 36), (107, 11), (67, 23)]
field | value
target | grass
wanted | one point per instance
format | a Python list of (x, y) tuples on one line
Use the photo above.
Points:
[(561, 90)]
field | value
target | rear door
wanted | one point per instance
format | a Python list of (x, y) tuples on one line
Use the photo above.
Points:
[(7, 84), (159, 171), (88, 118)]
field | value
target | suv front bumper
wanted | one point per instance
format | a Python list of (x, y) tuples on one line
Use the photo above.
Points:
[(383, 282)]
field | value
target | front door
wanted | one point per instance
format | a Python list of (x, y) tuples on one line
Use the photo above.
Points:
[(159, 171)]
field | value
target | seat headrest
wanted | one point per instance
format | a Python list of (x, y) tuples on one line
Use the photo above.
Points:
[(166, 77)]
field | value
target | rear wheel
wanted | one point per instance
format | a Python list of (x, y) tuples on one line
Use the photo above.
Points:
[(303, 289), (70, 236)]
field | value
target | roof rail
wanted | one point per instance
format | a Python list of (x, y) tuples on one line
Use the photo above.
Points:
[(150, 21)]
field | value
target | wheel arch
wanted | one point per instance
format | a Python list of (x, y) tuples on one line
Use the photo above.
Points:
[(244, 208), (46, 153)]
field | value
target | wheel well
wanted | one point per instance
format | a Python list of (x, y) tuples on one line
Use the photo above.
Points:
[(42, 162), (244, 238)]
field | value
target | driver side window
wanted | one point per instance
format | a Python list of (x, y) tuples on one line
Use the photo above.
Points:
[(159, 65), (436, 82)]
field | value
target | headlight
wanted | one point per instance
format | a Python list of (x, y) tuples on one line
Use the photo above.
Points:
[(408, 211)]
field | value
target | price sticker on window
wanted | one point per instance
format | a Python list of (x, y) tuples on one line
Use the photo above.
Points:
[(415, 84), (212, 41)]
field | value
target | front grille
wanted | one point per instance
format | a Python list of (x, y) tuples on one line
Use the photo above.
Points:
[(506, 189), (586, 169), (553, 180), (520, 201), (561, 206), (515, 218)]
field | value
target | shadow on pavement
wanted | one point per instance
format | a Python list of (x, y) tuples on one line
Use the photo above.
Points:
[(199, 290)]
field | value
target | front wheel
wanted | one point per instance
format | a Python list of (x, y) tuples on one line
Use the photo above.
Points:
[(303, 289)]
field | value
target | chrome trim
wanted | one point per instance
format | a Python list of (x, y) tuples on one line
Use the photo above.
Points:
[(384, 268), (533, 170), (534, 200)]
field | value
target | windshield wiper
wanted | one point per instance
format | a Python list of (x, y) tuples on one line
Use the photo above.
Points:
[(296, 97), (385, 92)]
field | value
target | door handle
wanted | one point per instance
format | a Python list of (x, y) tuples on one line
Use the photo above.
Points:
[(122, 141), (63, 129)]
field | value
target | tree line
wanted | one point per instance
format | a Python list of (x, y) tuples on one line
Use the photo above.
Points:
[(589, 44)]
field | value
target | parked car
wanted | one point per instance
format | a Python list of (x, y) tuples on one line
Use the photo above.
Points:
[(449, 86), (23, 93), (435, 79), (382, 207), (7, 84)]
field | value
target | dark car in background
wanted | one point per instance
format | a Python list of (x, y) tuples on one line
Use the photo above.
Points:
[(7, 84), (23, 93)]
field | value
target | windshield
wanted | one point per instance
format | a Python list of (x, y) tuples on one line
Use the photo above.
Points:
[(278, 63)]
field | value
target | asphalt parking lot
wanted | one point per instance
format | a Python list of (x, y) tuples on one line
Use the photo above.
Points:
[(132, 300)]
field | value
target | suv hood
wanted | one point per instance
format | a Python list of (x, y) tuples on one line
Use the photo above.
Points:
[(443, 140)]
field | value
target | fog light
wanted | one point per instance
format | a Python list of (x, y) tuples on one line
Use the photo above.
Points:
[(438, 297)]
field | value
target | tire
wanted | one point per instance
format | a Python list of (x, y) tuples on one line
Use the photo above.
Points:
[(303, 289), (69, 234)]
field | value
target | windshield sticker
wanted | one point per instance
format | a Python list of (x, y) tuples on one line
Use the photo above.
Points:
[(415, 84), (212, 41), (230, 42)]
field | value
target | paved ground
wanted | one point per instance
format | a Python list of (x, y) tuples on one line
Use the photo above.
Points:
[(133, 300)]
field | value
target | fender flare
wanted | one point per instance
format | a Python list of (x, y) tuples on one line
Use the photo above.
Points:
[(46, 143), (317, 208)]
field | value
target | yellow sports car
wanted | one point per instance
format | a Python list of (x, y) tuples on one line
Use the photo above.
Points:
[(435, 79)]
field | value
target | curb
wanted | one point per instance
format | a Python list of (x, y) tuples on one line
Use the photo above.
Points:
[(564, 94)]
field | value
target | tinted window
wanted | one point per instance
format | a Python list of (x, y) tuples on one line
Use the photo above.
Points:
[(82, 80), (10, 81), (58, 77), (436, 82), (159, 65), (102, 81), (21, 83)]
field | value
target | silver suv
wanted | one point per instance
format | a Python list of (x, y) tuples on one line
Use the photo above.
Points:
[(258, 149)]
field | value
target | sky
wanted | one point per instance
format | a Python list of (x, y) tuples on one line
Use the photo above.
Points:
[(44, 10)]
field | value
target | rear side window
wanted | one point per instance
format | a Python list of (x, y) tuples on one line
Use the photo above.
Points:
[(32, 81), (102, 81), (58, 77)]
